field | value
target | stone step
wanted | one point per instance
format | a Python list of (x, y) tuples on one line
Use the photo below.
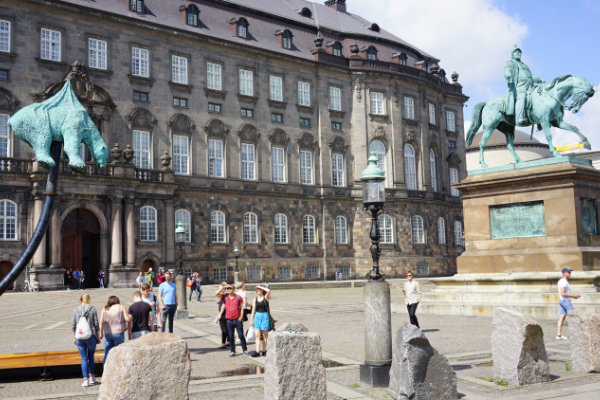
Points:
[(509, 297)]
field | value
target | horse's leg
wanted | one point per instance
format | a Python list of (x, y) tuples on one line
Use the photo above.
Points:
[(487, 133), (510, 139), (546, 128), (562, 124)]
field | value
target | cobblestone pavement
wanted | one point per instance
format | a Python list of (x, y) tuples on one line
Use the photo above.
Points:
[(41, 322)]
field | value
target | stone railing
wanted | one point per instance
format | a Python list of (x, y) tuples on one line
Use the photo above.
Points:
[(149, 175), (15, 165), (90, 169)]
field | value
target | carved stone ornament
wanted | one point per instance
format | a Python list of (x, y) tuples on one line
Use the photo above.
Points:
[(278, 137), (307, 141), (338, 145), (318, 41), (8, 102), (141, 118), (354, 49), (359, 89), (411, 135), (181, 123), (128, 154), (396, 93), (165, 160), (454, 77), (116, 152), (379, 132), (216, 128), (248, 133)]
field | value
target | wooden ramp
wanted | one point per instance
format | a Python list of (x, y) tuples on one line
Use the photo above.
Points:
[(44, 359)]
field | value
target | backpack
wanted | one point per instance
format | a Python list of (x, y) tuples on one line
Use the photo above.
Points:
[(83, 330)]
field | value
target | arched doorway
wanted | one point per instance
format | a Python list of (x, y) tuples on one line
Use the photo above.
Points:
[(5, 267), (147, 264), (81, 245)]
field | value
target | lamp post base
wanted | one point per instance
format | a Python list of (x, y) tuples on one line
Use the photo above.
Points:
[(236, 278), (375, 376), (182, 313)]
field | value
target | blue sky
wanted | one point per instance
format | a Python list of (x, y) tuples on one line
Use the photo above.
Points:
[(475, 38)]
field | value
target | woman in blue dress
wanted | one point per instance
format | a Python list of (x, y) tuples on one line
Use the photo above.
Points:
[(259, 318)]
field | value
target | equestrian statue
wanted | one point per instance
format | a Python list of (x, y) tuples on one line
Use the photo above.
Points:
[(529, 101)]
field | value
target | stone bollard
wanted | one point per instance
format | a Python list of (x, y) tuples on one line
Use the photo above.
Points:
[(584, 338), (294, 326), (294, 370), (155, 366), (518, 350), (182, 310)]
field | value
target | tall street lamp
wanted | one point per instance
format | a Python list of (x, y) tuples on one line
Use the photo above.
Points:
[(180, 239), (182, 311), (375, 371), (236, 273)]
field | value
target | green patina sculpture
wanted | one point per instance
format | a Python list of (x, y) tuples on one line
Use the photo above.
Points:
[(527, 104), (61, 118)]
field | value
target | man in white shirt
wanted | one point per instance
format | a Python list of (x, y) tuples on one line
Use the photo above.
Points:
[(412, 291), (565, 296)]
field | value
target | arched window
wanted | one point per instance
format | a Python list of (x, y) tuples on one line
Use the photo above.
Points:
[(242, 28), (286, 39), (410, 168), (337, 49), (8, 220), (386, 230), (418, 230), (305, 12), (378, 148), (250, 228), (371, 53), (441, 227), (191, 14), (433, 170), (184, 217), (148, 222), (308, 229), (281, 226), (217, 227), (341, 230), (458, 234)]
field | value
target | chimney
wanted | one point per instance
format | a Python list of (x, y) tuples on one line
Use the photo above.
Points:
[(338, 5)]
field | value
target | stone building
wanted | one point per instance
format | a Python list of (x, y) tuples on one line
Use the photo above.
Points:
[(249, 122)]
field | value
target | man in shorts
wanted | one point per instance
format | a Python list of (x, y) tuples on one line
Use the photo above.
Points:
[(565, 296)]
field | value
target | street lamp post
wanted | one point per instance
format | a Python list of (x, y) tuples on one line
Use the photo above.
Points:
[(182, 311), (236, 273), (378, 317)]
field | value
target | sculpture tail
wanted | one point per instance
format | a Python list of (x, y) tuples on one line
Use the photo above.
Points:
[(475, 123)]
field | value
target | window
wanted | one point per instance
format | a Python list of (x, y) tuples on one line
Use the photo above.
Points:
[(409, 108), (454, 179), (386, 230), (140, 59), (304, 93), (214, 108), (378, 148), (278, 164), (242, 28), (306, 167), (281, 234), (458, 234), (4, 74), (136, 5), (97, 53), (337, 49), (341, 230), (4, 136), (337, 169), (50, 45), (308, 229), (451, 144), (148, 224), (141, 96), (371, 53), (410, 169), (183, 217), (450, 121), (181, 154), (284, 272), (215, 158), (246, 82), (275, 88), (141, 149), (5, 35), (8, 220), (180, 102), (254, 274), (286, 39), (441, 227), (312, 272), (377, 103), (344, 270), (335, 98), (418, 231), (431, 114), (433, 170), (191, 15), (304, 122), (213, 76), (220, 274), (247, 113), (217, 227), (402, 59), (422, 269), (250, 228), (276, 117), (336, 126), (248, 161), (179, 69)]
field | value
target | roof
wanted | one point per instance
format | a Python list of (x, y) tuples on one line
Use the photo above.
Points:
[(499, 139)]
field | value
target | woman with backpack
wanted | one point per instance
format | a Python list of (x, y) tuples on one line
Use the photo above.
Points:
[(84, 325), (114, 320)]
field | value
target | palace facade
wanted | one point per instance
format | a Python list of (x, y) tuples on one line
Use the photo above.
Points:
[(248, 122)]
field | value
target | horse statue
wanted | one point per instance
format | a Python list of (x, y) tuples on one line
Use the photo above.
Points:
[(547, 106)]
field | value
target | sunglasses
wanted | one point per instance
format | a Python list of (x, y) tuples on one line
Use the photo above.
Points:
[(229, 288)]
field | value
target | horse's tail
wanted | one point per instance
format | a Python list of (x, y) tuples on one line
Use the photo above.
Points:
[(475, 123)]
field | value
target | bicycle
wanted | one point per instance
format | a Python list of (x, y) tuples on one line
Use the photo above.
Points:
[(30, 287)]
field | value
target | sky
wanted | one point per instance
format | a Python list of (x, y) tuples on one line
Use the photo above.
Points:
[(475, 38)]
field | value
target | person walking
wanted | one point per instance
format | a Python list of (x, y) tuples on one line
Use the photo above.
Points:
[(86, 347), (167, 298), (150, 278), (412, 292), (233, 316), (198, 286), (259, 319), (114, 321), (565, 296), (150, 299), (101, 279), (191, 284), (76, 279), (141, 317), (221, 293), (140, 280)]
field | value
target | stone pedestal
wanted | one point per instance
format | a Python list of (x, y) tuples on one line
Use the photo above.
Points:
[(122, 277), (584, 338), (48, 278), (182, 310)]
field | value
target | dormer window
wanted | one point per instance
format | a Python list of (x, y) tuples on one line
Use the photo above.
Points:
[(191, 15), (337, 49), (286, 39), (371, 53), (305, 12), (374, 27), (136, 6), (242, 28), (402, 59)]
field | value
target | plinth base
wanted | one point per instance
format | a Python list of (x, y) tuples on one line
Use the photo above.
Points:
[(182, 314), (121, 277), (48, 278), (375, 376)]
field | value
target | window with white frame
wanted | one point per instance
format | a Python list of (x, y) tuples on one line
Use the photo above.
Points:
[(433, 170), (254, 274), (458, 234), (286, 39), (97, 53), (441, 227), (242, 28), (337, 49), (281, 228), (431, 114), (418, 230), (410, 168), (5, 32), (344, 270), (250, 228), (246, 82), (141, 149), (8, 220), (337, 169), (422, 269), (215, 158), (184, 217), (148, 221), (386, 229), (248, 161), (278, 164), (50, 48), (308, 229), (217, 227), (140, 62), (450, 121), (371, 53), (179, 69), (284, 272), (377, 147), (220, 274), (4, 136), (304, 93), (306, 167), (409, 107), (192, 13), (454, 179), (136, 5), (181, 154), (335, 98), (341, 230), (213, 76), (275, 88), (312, 272), (377, 103)]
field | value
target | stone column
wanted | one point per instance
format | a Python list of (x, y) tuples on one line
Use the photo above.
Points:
[(130, 229), (170, 232), (182, 310), (55, 238), (39, 257), (116, 239)]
